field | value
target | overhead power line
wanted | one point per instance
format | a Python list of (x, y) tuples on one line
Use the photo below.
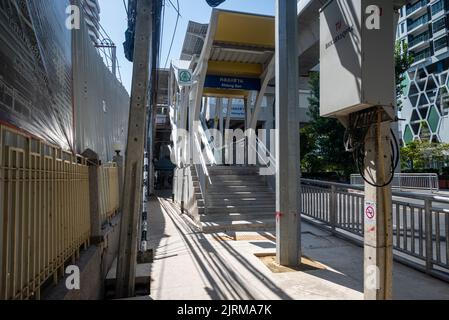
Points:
[(174, 32)]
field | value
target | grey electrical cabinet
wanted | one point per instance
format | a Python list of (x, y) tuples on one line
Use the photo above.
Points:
[(357, 57)]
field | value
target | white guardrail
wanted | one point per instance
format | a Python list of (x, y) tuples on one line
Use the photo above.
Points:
[(420, 222), (404, 181)]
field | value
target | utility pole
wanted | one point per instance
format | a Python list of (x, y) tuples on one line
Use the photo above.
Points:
[(288, 207), (132, 193), (378, 209), (378, 246)]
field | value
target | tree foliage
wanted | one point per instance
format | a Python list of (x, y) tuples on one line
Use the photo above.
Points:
[(322, 146), (418, 155), (403, 60)]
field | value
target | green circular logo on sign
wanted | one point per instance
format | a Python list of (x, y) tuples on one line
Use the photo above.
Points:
[(185, 76)]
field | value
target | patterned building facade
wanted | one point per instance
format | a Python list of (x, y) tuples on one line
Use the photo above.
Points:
[(423, 25)]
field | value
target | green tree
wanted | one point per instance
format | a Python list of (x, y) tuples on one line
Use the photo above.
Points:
[(403, 60), (322, 146), (419, 155)]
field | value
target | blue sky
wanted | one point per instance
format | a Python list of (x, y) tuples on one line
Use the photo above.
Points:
[(113, 20)]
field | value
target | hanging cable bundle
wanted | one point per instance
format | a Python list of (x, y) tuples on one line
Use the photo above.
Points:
[(355, 138)]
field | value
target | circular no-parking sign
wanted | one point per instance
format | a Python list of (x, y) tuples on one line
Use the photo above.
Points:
[(370, 212)]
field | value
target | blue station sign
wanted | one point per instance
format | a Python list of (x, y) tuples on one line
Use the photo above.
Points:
[(232, 83)]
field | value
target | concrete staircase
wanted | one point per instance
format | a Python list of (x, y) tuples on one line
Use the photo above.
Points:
[(238, 199)]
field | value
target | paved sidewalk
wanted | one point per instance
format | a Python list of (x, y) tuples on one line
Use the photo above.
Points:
[(193, 266)]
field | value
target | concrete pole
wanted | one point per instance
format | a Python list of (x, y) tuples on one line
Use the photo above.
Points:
[(378, 247), (288, 207), (246, 124), (228, 114), (221, 116), (217, 112), (221, 150), (206, 107), (132, 190), (228, 143)]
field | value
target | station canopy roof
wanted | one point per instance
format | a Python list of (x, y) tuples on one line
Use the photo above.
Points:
[(234, 44), (194, 40)]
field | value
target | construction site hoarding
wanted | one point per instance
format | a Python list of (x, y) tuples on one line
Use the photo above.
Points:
[(54, 84), (36, 69), (101, 103)]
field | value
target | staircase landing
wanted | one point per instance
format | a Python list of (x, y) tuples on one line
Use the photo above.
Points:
[(237, 199)]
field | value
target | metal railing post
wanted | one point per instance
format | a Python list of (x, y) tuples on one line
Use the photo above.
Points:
[(429, 234), (333, 209), (206, 187)]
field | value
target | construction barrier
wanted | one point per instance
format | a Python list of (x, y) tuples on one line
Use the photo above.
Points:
[(44, 217)]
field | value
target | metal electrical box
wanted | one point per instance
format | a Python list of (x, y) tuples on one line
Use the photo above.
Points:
[(357, 68)]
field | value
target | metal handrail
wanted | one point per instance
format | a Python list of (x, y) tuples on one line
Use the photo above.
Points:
[(207, 144), (420, 181), (419, 39), (266, 151), (416, 6), (420, 221), (203, 161), (418, 196), (202, 171), (418, 22)]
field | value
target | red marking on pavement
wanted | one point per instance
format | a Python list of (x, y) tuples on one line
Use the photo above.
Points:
[(372, 229)]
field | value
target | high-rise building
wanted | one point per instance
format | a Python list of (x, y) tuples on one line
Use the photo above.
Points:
[(425, 106), (92, 18)]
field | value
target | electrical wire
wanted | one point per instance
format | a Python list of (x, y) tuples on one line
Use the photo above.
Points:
[(126, 8), (174, 33), (176, 8), (355, 137)]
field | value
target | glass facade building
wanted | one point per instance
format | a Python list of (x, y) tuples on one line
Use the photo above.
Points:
[(423, 25)]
